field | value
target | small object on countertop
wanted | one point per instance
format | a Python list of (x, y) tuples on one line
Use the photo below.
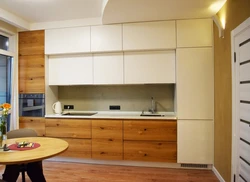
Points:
[(5, 148)]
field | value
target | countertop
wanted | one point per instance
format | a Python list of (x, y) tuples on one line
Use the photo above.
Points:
[(116, 115)]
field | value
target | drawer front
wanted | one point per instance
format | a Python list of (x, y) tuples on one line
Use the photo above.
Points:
[(150, 130), (111, 149), (107, 129), (79, 148), (37, 124), (69, 128), (150, 151)]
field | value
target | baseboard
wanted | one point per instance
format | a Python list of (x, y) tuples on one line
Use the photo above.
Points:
[(218, 174)]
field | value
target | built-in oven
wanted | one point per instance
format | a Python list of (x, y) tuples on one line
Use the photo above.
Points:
[(32, 105)]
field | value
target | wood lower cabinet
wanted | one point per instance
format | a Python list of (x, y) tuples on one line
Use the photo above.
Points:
[(109, 149), (35, 123), (150, 140), (78, 148), (150, 151), (107, 140), (72, 128)]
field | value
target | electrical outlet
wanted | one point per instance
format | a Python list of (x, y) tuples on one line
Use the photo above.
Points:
[(112, 107), (68, 107)]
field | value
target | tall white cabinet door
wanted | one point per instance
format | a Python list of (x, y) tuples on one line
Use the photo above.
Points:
[(67, 40), (108, 68), (70, 70), (106, 38), (195, 141), (194, 33), (149, 35), (149, 67), (195, 83)]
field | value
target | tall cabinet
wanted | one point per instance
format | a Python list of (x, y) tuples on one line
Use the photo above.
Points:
[(195, 91), (31, 73)]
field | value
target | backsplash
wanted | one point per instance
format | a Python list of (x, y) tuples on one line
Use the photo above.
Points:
[(129, 97)]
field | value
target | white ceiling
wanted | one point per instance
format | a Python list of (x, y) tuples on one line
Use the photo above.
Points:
[(110, 11)]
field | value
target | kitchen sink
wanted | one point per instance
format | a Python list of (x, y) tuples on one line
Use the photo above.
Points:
[(79, 113), (152, 114)]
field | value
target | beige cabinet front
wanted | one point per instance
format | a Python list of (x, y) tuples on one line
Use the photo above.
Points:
[(149, 67)]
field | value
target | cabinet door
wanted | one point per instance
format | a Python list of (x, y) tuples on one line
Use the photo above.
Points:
[(149, 67), (150, 151), (78, 148), (150, 130), (149, 35), (31, 74), (111, 149), (195, 141), (31, 43), (108, 68), (68, 128), (70, 70), (194, 33), (195, 83), (106, 38), (107, 129), (35, 123), (67, 40)]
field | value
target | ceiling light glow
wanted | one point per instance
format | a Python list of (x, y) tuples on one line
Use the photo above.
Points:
[(215, 7)]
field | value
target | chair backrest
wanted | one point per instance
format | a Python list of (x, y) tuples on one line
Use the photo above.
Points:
[(19, 133)]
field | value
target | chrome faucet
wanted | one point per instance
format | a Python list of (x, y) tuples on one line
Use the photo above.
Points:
[(153, 108)]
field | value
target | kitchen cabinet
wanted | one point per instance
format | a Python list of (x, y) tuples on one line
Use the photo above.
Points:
[(150, 140), (107, 140), (35, 123), (195, 141), (31, 43), (77, 132), (195, 83), (106, 38), (149, 35), (70, 70), (68, 128), (194, 33), (67, 40), (149, 67), (108, 68), (31, 74)]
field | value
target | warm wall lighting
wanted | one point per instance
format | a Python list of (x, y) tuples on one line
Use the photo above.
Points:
[(219, 25), (215, 7)]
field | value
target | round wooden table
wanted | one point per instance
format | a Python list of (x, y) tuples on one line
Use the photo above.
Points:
[(49, 147)]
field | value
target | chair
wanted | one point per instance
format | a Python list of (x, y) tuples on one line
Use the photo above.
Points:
[(19, 133)]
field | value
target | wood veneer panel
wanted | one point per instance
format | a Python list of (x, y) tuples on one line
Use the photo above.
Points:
[(68, 128), (150, 130), (35, 123), (31, 42)]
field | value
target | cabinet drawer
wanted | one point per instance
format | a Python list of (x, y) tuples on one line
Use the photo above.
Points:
[(150, 130), (80, 148), (73, 128), (111, 149), (107, 129), (150, 151), (37, 124)]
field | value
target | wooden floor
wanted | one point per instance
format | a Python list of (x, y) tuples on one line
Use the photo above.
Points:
[(77, 172)]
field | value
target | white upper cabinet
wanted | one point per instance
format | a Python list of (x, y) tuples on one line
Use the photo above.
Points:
[(195, 83), (70, 70), (108, 68), (149, 67), (106, 38), (149, 35), (67, 40), (194, 33)]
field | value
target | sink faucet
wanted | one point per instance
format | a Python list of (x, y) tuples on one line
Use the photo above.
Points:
[(153, 108)]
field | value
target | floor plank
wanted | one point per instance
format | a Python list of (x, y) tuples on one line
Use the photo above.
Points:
[(78, 172)]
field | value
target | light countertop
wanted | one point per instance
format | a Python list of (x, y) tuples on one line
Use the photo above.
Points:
[(116, 115)]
